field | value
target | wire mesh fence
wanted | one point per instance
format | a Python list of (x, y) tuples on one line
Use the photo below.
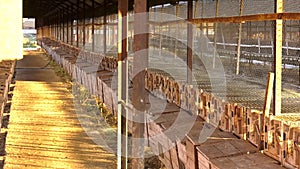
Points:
[(212, 40)]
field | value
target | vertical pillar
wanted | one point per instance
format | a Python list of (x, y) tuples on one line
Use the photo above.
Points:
[(72, 21), (278, 59), (202, 15), (104, 30), (63, 26), (56, 29), (239, 39), (77, 25), (122, 76), (104, 33), (67, 28), (216, 33), (60, 30), (160, 30), (177, 10), (83, 26), (139, 94), (93, 26), (190, 41), (196, 9)]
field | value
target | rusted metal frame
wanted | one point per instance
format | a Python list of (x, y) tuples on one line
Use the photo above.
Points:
[(239, 39), (216, 33), (87, 4), (122, 82), (72, 3), (237, 19), (57, 5), (139, 94), (93, 26), (83, 27), (248, 18), (77, 25), (190, 41), (100, 4)]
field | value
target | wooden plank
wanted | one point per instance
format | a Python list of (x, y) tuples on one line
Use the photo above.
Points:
[(267, 106), (277, 67), (239, 39)]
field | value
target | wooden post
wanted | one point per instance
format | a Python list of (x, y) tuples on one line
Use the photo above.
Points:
[(266, 110), (190, 42), (122, 76), (240, 39), (278, 59)]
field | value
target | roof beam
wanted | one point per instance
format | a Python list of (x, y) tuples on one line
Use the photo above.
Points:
[(247, 18)]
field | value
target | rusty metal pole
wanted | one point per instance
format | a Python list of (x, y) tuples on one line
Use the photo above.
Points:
[(278, 59), (67, 28), (72, 25), (60, 30), (239, 39), (139, 94), (190, 41), (77, 25), (63, 27), (122, 76), (93, 26), (56, 28), (83, 26)]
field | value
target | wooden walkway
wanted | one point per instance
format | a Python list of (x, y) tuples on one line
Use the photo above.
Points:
[(43, 130)]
